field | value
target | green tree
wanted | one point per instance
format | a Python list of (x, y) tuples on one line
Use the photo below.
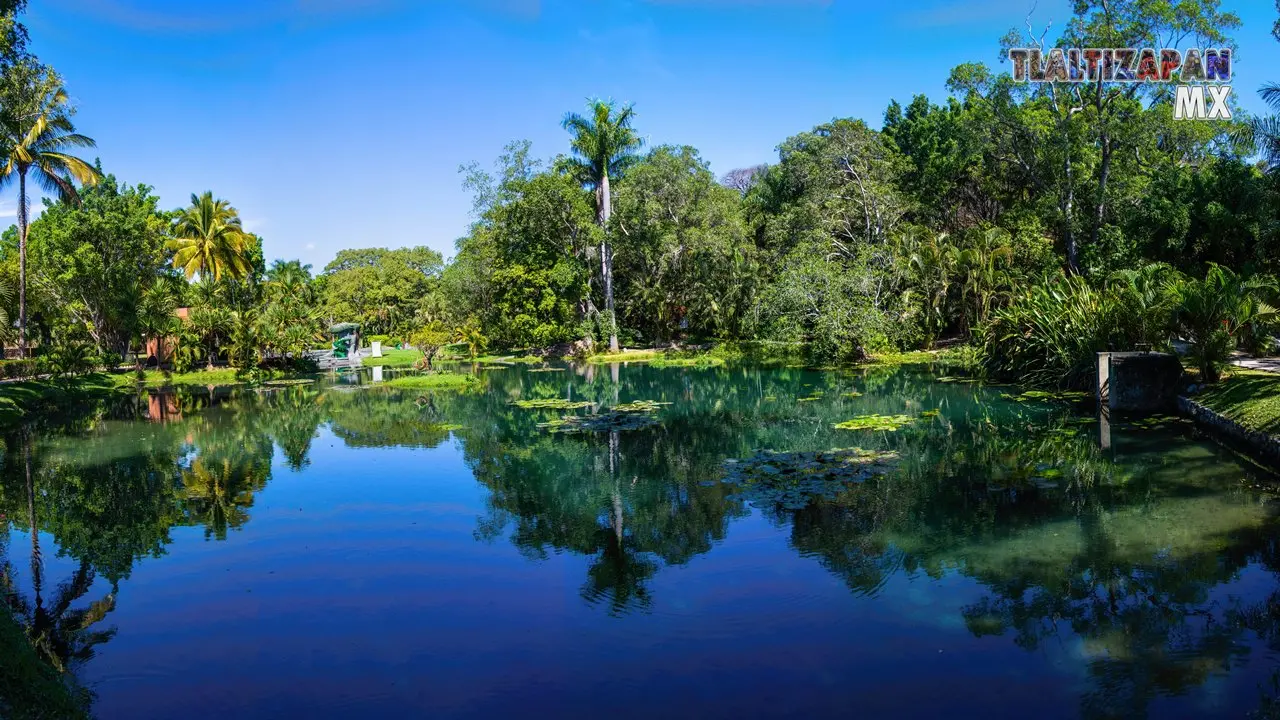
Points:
[(209, 241), (603, 144), (984, 266), (933, 262), (36, 127), (380, 289), (98, 259), (430, 339)]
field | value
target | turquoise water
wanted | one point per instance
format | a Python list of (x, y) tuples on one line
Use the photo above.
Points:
[(344, 549)]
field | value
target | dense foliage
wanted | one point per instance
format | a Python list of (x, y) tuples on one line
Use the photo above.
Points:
[(1040, 222)]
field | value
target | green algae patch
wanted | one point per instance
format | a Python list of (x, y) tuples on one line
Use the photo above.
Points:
[(886, 423), (792, 479), (851, 394), (546, 369), (551, 404)]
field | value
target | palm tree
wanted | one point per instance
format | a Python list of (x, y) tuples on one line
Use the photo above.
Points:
[(35, 131), (209, 240), (983, 274), (290, 280), (604, 144), (1263, 133), (1215, 312), (933, 260)]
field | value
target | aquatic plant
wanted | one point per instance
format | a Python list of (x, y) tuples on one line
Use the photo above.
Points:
[(600, 422), (792, 479), (641, 406), (551, 404), (1044, 395), (625, 416), (887, 423)]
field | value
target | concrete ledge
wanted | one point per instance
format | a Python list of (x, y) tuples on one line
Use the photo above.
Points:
[(1263, 446)]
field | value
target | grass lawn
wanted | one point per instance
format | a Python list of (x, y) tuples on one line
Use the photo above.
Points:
[(1249, 397), (393, 358), (627, 356), (433, 381)]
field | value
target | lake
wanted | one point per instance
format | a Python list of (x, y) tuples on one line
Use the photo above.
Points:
[(345, 549)]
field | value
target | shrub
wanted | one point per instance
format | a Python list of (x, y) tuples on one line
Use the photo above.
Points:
[(1050, 336), (12, 369), (430, 339), (69, 357), (1216, 312)]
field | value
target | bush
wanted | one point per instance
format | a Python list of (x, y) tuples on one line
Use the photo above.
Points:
[(1217, 313), (13, 369), (69, 357), (1050, 336)]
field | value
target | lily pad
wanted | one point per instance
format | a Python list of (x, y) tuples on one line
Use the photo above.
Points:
[(887, 423), (641, 406), (1046, 395), (792, 479), (626, 416), (551, 404), (602, 422)]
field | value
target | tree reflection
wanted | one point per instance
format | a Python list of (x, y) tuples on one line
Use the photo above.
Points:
[(1121, 555), (61, 634)]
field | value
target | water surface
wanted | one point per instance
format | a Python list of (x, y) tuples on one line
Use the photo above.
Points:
[(345, 549)]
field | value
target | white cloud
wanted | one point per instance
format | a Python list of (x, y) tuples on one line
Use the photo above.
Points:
[(10, 209), (311, 246)]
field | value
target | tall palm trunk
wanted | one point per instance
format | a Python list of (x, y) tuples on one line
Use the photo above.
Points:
[(606, 260), (22, 262)]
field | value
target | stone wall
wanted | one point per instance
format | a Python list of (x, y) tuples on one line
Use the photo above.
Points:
[(1262, 445)]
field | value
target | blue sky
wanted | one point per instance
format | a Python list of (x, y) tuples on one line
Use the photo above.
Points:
[(342, 123)]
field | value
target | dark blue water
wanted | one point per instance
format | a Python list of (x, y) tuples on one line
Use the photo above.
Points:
[(359, 551)]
